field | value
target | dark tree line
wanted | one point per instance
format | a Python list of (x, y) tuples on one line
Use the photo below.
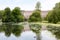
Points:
[(16, 15), (12, 16)]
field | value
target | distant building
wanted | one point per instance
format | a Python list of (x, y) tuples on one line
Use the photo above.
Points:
[(28, 13), (44, 13)]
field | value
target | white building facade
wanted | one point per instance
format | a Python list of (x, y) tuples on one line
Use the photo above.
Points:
[(28, 13)]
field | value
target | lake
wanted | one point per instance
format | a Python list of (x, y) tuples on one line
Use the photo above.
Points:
[(28, 32)]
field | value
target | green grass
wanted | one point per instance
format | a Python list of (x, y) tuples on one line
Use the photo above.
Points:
[(45, 24)]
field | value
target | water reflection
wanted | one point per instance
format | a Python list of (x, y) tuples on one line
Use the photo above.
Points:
[(9, 28), (37, 29), (26, 35), (37, 32), (55, 30), (47, 35)]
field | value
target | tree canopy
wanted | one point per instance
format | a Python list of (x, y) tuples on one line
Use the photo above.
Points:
[(7, 15), (54, 15), (36, 16), (17, 15), (12, 16)]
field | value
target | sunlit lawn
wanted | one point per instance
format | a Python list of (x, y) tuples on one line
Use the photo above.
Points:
[(46, 24), (41, 23)]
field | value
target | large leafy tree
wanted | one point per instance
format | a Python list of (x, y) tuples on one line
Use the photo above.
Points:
[(54, 15), (57, 10), (36, 16), (7, 15), (46, 18), (17, 15)]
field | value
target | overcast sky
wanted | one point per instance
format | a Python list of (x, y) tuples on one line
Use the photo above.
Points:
[(28, 4)]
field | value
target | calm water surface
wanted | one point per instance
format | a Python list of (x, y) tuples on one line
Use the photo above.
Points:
[(15, 32)]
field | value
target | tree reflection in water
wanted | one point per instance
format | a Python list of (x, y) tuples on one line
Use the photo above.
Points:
[(9, 28), (36, 28), (55, 30)]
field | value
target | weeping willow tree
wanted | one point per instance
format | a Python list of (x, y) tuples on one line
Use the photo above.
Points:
[(36, 29)]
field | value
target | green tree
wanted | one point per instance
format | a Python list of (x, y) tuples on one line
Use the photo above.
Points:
[(57, 10), (17, 15), (52, 18), (36, 16), (54, 15), (48, 15), (37, 5), (7, 15)]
